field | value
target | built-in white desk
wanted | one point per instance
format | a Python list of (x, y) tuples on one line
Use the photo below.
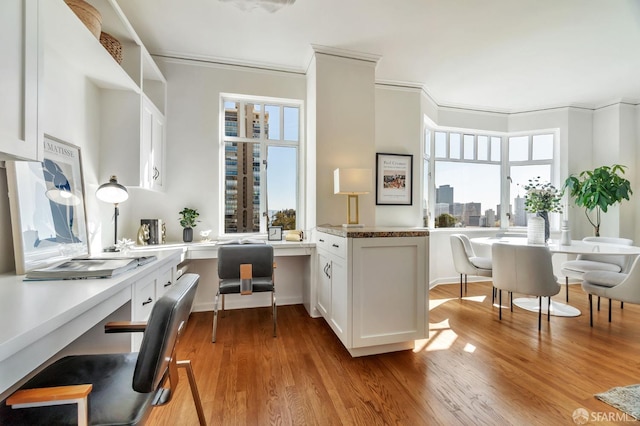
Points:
[(40, 318)]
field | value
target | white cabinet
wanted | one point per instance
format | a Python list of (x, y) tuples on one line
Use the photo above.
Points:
[(144, 294), (20, 76), (331, 285), (389, 290), (323, 285), (133, 95), (152, 146), (372, 291)]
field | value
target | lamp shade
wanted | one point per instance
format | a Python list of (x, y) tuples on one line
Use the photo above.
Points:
[(352, 181), (112, 192)]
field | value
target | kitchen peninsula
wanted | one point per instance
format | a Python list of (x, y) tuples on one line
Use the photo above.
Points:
[(371, 286)]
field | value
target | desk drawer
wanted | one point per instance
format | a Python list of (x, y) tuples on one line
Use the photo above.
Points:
[(333, 244), (164, 281), (143, 300)]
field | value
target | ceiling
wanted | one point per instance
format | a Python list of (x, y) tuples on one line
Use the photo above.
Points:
[(493, 55)]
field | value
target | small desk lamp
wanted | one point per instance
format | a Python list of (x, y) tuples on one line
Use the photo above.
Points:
[(352, 182), (113, 192)]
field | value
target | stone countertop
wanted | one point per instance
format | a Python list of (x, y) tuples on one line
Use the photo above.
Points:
[(374, 231)]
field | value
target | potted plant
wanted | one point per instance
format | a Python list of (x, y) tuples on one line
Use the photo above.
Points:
[(188, 222), (542, 199), (598, 189)]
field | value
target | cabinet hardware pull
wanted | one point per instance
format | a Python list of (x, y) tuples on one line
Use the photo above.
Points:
[(321, 240), (335, 245), (146, 302), (168, 284), (329, 270)]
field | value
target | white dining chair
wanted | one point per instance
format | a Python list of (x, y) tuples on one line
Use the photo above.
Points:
[(524, 269), (595, 262), (465, 260), (624, 287)]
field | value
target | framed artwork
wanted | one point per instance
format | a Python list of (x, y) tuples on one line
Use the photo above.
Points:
[(47, 204), (394, 179)]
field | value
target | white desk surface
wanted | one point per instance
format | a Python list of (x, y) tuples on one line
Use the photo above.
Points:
[(33, 313), (209, 249), (576, 247)]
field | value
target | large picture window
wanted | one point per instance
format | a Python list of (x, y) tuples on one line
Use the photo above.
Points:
[(261, 142), (472, 176)]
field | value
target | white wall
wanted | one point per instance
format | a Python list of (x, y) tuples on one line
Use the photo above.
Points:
[(193, 149), (345, 114), (398, 128)]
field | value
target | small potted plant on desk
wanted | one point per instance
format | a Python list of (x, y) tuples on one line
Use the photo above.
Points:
[(188, 222)]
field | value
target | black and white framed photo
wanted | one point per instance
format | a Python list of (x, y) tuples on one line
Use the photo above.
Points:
[(47, 206), (394, 179)]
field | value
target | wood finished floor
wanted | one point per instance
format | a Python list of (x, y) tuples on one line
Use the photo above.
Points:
[(473, 369)]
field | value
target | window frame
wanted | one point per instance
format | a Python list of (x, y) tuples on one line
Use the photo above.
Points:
[(265, 143), (505, 165)]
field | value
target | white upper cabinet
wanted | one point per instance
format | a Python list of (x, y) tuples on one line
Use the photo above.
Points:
[(131, 142), (20, 135)]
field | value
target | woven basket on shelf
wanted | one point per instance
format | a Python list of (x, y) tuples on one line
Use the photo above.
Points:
[(113, 46), (88, 14)]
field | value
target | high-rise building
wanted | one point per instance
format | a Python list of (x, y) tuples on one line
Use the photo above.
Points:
[(242, 171), (444, 194), (520, 218)]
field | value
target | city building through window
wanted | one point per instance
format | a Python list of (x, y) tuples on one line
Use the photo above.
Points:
[(261, 142), (476, 176)]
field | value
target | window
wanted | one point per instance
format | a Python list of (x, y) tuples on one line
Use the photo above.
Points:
[(468, 175), (260, 142), (530, 156)]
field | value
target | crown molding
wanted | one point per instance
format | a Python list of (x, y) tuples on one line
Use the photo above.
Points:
[(228, 63), (220, 62)]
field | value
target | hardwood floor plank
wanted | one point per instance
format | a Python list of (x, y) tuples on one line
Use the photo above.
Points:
[(473, 368)]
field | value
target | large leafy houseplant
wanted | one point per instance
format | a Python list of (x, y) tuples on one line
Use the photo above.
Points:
[(597, 190)]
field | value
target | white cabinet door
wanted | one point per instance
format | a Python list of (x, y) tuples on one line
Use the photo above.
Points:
[(19, 79), (324, 285), (157, 151), (152, 146), (340, 300), (390, 279)]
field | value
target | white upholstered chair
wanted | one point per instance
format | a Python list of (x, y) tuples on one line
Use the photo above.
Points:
[(613, 285), (465, 260), (595, 262), (526, 270)]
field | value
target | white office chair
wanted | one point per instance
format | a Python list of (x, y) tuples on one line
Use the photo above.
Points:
[(613, 285), (526, 270), (595, 262), (465, 260)]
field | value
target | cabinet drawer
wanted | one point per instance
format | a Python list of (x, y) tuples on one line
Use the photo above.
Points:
[(164, 282), (144, 298), (332, 244)]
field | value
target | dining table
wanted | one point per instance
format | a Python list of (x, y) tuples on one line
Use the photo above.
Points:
[(576, 247)]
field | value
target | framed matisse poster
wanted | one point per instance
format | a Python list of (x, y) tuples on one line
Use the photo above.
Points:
[(394, 179), (47, 206)]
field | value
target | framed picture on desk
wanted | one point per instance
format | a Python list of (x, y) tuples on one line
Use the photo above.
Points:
[(47, 206), (394, 179)]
